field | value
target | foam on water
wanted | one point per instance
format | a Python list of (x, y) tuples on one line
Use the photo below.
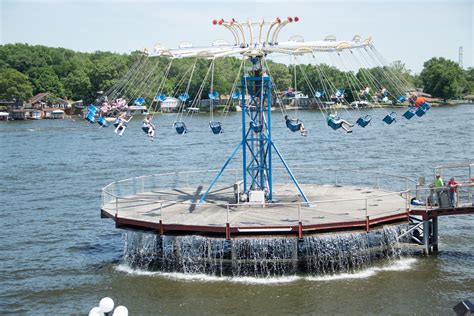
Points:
[(403, 264)]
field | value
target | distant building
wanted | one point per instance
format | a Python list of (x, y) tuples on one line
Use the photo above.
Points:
[(170, 104), (48, 100)]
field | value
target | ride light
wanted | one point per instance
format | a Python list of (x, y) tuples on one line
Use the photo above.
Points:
[(296, 19), (278, 20), (106, 305), (214, 22), (290, 19)]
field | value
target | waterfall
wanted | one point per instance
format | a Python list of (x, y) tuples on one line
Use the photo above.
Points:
[(261, 257)]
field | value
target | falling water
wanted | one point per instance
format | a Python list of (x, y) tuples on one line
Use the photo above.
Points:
[(261, 257)]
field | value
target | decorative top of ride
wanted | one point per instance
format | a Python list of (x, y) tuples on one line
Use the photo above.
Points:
[(257, 39)]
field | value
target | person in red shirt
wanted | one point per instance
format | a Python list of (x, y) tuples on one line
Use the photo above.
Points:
[(453, 189)]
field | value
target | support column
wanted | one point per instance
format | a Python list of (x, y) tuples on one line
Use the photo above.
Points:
[(426, 236), (435, 235)]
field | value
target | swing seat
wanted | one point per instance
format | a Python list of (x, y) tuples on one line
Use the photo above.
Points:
[(236, 95), (216, 127), (102, 122), (390, 118), (319, 94), (257, 128), (183, 97), (139, 101), (364, 121), (180, 128), (339, 93), (90, 117), (92, 108), (160, 97), (335, 126), (425, 106), (213, 95), (401, 99), (293, 125), (409, 113)]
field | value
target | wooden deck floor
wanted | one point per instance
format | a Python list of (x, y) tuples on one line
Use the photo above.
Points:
[(177, 207)]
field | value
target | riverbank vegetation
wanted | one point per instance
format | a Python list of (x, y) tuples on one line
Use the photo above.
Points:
[(26, 70)]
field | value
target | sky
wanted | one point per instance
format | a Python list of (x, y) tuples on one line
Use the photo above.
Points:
[(407, 30)]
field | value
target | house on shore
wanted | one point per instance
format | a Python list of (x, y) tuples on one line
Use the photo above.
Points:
[(44, 105)]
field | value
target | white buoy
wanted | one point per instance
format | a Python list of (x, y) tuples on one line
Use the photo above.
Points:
[(120, 311), (96, 311), (106, 305)]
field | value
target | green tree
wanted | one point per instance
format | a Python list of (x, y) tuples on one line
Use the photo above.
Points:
[(470, 81), (44, 79), (443, 78), (14, 85), (77, 85)]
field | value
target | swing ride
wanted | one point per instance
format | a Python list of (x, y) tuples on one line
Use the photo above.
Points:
[(223, 210)]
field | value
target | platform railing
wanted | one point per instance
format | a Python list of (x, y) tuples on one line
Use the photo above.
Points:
[(296, 212), (120, 194), (305, 175), (431, 197)]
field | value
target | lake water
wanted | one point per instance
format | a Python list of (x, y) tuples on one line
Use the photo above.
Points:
[(58, 257)]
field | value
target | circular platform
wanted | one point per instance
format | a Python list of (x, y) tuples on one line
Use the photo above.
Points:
[(332, 208)]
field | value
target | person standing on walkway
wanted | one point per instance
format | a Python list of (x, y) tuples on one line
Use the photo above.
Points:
[(439, 184), (453, 190)]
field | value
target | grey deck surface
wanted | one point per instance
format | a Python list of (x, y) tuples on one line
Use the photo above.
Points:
[(175, 206)]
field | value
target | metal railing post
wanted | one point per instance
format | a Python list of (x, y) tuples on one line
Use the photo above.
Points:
[(116, 206), (161, 211), (366, 207), (335, 177), (299, 212), (407, 198)]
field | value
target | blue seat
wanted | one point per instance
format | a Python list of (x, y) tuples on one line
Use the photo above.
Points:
[(139, 101), (102, 122), (213, 95), (180, 128), (335, 126), (257, 128), (90, 117), (183, 97), (364, 121), (236, 95), (424, 107), (390, 118), (160, 97), (401, 99), (293, 125), (409, 113), (216, 127), (319, 94), (91, 111), (339, 93)]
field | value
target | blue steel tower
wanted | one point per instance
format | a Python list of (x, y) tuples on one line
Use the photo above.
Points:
[(256, 143)]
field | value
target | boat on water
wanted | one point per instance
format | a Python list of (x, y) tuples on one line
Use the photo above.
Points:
[(137, 110)]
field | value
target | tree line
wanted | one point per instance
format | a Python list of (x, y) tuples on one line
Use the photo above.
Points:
[(26, 70)]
